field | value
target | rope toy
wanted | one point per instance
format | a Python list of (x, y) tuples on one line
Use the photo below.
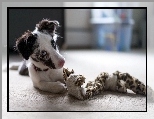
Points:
[(117, 81)]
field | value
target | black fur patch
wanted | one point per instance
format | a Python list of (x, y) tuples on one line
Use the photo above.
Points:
[(49, 63), (43, 56), (47, 25), (26, 44), (35, 59), (53, 44)]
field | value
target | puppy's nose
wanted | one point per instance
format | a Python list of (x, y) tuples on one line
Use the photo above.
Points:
[(61, 63)]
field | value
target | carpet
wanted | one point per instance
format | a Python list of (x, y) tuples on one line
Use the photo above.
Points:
[(24, 97)]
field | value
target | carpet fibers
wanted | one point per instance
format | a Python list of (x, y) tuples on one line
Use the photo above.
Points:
[(24, 97)]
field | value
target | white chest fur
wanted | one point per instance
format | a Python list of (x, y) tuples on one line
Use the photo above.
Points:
[(52, 75)]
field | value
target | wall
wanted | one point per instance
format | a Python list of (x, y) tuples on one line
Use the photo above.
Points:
[(78, 32), (18, 27), (20, 4)]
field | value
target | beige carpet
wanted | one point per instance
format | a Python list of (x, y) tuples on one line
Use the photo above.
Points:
[(23, 97)]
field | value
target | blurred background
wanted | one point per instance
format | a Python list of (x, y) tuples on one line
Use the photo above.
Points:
[(105, 29)]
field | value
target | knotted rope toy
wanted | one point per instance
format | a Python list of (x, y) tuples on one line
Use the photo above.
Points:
[(117, 81)]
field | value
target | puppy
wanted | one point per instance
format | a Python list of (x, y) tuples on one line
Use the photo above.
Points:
[(45, 62)]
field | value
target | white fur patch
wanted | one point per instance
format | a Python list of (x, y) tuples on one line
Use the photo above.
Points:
[(44, 41)]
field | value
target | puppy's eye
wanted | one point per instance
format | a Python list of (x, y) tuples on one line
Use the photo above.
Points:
[(53, 43), (43, 53)]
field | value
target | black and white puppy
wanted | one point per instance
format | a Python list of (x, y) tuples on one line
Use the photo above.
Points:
[(45, 62)]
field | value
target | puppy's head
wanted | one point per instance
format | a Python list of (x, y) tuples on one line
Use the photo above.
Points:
[(48, 26), (40, 45), (26, 44), (47, 52)]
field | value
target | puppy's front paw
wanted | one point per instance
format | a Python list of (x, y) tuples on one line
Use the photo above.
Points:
[(60, 88)]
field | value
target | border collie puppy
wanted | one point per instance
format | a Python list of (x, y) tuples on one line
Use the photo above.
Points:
[(45, 62)]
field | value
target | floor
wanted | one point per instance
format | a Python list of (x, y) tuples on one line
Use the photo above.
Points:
[(23, 97)]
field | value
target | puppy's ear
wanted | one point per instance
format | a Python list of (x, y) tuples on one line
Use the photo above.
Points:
[(48, 25), (56, 23), (26, 44)]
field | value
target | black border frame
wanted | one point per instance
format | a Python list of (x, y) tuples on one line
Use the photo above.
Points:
[(65, 40)]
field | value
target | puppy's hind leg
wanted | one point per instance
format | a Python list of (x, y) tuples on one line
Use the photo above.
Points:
[(20, 66), (23, 69)]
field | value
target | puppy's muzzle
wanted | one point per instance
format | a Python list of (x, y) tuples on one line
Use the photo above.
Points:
[(61, 63)]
